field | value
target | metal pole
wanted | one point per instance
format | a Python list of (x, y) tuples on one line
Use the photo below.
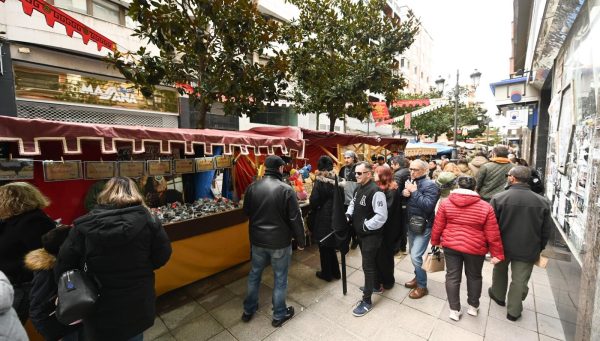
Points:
[(487, 137), (454, 150)]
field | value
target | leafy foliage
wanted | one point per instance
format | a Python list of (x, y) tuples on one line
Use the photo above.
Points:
[(210, 46), (341, 49)]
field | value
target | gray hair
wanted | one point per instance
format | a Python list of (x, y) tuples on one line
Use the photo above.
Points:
[(521, 173), (422, 164), (501, 151), (368, 166)]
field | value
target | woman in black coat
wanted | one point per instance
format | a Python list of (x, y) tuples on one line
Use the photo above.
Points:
[(22, 224), (122, 244), (321, 205)]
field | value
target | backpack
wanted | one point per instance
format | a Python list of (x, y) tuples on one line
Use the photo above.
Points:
[(536, 182)]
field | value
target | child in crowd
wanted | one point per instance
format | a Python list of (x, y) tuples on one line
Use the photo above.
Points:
[(44, 288)]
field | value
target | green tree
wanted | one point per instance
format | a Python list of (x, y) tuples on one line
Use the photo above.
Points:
[(341, 49), (212, 47)]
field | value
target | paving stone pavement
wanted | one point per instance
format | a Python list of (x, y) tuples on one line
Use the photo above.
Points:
[(210, 309)]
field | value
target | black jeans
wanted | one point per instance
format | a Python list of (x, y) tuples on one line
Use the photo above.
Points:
[(330, 267), (402, 240), (385, 265), (454, 264), (368, 248)]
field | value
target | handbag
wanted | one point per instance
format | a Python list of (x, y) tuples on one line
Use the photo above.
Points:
[(434, 262), (77, 295), (416, 224)]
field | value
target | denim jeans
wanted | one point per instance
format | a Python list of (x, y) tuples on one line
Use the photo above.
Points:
[(418, 246), (280, 261)]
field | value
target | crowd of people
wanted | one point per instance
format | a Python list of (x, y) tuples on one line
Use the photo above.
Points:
[(465, 208)]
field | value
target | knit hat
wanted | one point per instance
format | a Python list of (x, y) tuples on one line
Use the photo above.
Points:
[(54, 238), (273, 162), (325, 163)]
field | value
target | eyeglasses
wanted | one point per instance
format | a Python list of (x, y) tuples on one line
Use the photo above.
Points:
[(361, 173), (507, 175), (414, 169)]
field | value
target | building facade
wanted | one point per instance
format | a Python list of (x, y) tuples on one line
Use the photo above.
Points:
[(555, 48), (51, 73)]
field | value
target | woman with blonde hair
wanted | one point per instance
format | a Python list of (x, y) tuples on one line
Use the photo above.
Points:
[(121, 244), (22, 224)]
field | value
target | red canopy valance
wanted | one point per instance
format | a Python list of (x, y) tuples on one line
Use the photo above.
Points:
[(29, 132)]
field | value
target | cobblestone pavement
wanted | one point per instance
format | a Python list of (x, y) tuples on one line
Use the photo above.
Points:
[(210, 309)]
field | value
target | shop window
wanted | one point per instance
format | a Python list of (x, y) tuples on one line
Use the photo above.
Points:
[(105, 10), (72, 5), (273, 115)]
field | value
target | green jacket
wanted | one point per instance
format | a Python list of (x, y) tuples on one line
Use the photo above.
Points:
[(491, 178)]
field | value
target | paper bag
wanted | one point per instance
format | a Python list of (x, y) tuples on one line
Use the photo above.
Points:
[(434, 262)]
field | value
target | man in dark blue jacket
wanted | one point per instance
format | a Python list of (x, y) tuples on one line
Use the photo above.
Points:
[(422, 195), (275, 217)]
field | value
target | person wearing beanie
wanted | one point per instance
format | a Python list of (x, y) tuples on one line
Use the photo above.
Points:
[(43, 287), (321, 213), (274, 219)]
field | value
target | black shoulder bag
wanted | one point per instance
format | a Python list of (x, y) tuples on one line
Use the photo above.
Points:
[(77, 295), (417, 224)]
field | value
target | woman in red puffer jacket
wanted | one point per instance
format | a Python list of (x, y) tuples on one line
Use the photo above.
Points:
[(467, 227)]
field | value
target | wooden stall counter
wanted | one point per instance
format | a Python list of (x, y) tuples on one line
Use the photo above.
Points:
[(202, 247)]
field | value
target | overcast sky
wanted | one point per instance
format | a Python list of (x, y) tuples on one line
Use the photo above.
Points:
[(468, 35)]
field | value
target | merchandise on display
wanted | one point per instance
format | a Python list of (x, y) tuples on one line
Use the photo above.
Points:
[(177, 212)]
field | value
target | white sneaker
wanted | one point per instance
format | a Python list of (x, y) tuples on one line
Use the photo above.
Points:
[(472, 310), (454, 315)]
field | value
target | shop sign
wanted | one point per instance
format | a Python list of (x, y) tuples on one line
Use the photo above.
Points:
[(62, 170), (517, 118), (132, 169), (31, 83), (204, 164), (183, 166), (16, 169), (223, 161), (95, 170), (159, 167)]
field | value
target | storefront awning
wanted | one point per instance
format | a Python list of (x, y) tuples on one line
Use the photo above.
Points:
[(28, 133)]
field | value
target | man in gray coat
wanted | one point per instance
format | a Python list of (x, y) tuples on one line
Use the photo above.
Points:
[(525, 222)]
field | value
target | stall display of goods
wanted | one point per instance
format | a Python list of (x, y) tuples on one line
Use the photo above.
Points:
[(177, 212)]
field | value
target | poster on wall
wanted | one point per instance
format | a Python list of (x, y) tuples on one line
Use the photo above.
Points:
[(62, 170), (159, 167), (183, 166), (566, 127), (96, 170), (204, 164), (16, 169), (132, 169)]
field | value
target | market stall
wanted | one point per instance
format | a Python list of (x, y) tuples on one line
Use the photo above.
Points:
[(65, 159)]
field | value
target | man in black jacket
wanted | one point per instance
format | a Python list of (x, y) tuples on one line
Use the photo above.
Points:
[(525, 222), (401, 174), (275, 218), (367, 212)]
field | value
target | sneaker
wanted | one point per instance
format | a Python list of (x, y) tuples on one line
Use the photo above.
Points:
[(362, 308), (375, 290), (289, 314), (455, 315), (472, 310)]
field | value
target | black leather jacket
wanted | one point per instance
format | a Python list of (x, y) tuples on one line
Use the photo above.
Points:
[(274, 214)]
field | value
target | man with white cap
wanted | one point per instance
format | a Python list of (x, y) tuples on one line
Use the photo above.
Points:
[(274, 219)]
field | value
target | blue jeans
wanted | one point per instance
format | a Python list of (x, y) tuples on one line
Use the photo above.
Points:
[(280, 261), (418, 246)]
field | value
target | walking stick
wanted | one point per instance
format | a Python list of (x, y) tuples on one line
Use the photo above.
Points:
[(344, 282)]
